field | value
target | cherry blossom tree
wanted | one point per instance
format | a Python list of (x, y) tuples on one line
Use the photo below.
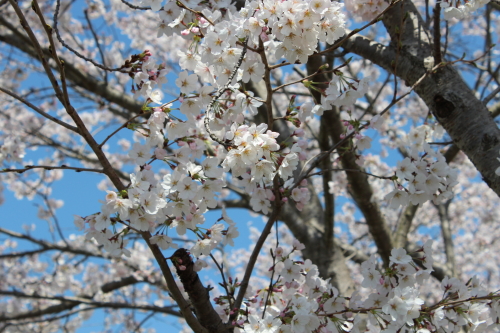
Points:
[(362, 133)]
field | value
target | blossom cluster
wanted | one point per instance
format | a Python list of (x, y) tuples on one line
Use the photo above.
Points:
[(289, 29), (365, 10), (425, 173), (179, 201), (257, 161), (341, 91), (147, 76), (300, 301), (460, 10), (12, 150)]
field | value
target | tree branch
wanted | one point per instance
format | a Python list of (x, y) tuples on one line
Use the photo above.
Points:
[(74, 301), (199, 295), (50, 167), (464, 117), (79, 78), (404, 224), (37, 110), (447, 236), (255, 254)]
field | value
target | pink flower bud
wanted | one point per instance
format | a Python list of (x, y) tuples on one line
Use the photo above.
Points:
[(303, 182), (185, 32), (264, 36), (195, 30), (159, 154), (299, 132), (342, 136), (285, 199), (182, 267)]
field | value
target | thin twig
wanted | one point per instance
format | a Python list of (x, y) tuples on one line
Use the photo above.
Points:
[(224, 283), (349, 170), (22, 254), (295, 82), (441, 143), (125, 124), (270, 288), (39, 111), (59, 38), (195, 12), (83, 300), (491, 96), (59, 62), (50, 167), (135, 7), (39, 51), (96, 38), (143, 321), (255, 254)]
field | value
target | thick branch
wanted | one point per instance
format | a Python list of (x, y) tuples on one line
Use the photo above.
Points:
[(362, 193), (173, 288), (199, 295)]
